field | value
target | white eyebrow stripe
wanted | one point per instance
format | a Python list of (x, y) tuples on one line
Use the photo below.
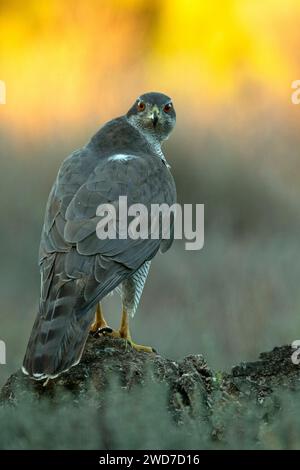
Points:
[(121, 157)]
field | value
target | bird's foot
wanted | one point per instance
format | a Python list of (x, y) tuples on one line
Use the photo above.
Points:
[(107, 331), (97, 329), (125, 334), (141, 347)]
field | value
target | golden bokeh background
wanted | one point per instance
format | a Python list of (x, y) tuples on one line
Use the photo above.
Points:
[(69, 62)]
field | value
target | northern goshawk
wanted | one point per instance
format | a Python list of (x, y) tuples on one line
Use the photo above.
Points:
[(124, 158)]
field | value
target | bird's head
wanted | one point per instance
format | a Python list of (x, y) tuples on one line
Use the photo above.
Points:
[(153, 113)]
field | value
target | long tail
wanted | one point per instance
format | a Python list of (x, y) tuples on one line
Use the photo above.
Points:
[(71, 286), (58, 336), (65, 313)]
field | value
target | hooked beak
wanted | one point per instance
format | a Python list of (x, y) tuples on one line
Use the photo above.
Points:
[(154, 116)]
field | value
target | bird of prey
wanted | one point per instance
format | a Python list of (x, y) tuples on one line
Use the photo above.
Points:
[(124, 158)]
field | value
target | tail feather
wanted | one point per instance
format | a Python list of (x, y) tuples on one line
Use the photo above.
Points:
[(58, 338), (66, 312)]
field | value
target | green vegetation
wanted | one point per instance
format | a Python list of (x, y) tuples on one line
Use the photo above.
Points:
[(140, 419)]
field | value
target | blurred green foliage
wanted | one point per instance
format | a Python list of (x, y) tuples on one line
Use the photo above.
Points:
[(140, 419)]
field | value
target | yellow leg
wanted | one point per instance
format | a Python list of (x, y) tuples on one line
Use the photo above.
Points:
[(124, 333), (99, 321), (101, 326)]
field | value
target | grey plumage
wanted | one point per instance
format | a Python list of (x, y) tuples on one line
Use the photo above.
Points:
[(132, 288), (77, 268)]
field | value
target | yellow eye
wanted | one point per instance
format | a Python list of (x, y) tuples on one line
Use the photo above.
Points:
[(168, 107), (141, 106)]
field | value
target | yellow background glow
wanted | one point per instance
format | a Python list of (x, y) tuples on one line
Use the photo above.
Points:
[(65, 63)]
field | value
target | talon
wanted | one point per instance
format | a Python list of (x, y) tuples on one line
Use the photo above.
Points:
[(94, 334), (109, 332), (105, 329), (94, 330), (142, 348)]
